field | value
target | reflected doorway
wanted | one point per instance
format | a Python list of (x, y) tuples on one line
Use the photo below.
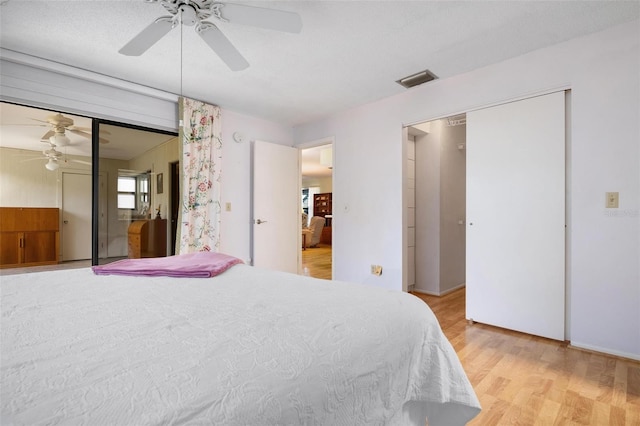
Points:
[(174, 204)]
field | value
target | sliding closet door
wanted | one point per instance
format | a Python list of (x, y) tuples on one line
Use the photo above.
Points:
[(516, 216)]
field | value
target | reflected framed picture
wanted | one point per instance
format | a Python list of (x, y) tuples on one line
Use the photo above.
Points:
[(159, 186)]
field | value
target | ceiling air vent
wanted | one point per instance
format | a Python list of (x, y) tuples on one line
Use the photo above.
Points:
[(416, 79)]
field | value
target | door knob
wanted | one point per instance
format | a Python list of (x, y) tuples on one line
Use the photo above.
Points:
[(260, 221), (65, 222)]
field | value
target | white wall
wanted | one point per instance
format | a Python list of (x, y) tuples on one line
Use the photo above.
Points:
[(452, 207), (603, 71), (325, 184), (26, 183), (410, 197), (428, 190)]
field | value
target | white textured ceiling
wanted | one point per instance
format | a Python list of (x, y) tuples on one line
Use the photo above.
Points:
[(348, 53)]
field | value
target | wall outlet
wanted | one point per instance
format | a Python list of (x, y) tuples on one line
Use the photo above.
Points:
[(376, 270), (612, 200)]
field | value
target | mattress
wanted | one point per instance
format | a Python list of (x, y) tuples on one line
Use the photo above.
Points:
[(248, 347)]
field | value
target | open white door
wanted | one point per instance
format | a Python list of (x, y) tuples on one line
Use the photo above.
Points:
[(276, 209), (76, 216), (516, 216)]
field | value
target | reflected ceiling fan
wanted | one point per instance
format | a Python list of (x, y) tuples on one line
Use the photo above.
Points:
[(193, 13), (59, 125), (55, 157)]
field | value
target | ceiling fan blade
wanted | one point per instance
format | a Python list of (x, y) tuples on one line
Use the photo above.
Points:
[(80, 133), (272, 19), (88, 130), (34, 159), (46, 123), (87, 163), (148, 37), (222, 46), (47, 135), (27, 125), (87, 135)]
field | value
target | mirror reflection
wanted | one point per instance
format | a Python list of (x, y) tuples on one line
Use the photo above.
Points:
[(46, 169)]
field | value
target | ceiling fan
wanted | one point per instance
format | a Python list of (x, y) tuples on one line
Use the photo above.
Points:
[(193, 12), (59, 125)]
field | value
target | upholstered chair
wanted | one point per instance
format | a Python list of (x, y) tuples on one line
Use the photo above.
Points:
[(315, 225)]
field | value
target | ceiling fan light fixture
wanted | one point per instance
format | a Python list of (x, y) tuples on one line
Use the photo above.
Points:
[(60, 139), (52, 165)]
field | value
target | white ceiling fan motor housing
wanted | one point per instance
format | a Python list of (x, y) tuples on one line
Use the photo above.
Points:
[(188, 15)]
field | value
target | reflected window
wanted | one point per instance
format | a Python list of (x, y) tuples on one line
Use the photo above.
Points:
[(134, 192), (126, 192)]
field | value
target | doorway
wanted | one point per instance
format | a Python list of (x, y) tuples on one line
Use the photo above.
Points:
[(436, 228), (174, 202), (76, 215), (316, 173)]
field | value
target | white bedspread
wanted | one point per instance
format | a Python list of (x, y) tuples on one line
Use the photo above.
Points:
[(249, 347)]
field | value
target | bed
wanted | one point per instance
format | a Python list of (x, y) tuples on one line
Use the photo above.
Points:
[(246, 347)]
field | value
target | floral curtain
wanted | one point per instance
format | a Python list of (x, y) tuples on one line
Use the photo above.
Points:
[(201, 154)]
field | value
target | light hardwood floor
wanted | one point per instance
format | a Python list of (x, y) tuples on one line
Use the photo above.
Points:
[(317, 260), (527, 380)]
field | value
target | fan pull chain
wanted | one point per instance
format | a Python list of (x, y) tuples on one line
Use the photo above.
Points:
[(180, 122), (181, 51)]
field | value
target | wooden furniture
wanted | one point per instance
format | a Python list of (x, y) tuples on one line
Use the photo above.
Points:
[(325, 238), (147, 238), (29, 236), (322, 206)]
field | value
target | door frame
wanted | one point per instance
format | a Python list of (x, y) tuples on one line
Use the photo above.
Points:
[(90, 215), (174, 203)]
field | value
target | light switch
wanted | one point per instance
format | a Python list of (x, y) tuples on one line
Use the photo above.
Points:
[(227, 207), (612, 200)]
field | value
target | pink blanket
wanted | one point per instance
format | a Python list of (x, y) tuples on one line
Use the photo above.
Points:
[(195, 265)]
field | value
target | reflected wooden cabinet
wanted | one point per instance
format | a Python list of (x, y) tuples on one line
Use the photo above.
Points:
[(29, 236), (147, 238)]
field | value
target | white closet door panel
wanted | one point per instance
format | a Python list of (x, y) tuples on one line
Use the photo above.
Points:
[(516, 216)]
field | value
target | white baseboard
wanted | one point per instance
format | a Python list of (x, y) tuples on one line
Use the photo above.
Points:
[(606, 351), (432, 293)]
